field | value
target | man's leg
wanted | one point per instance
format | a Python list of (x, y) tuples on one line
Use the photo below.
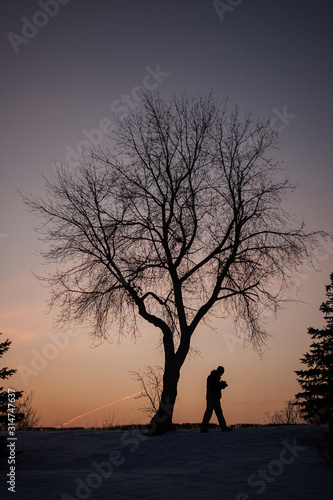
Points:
[(207, 416), (220, 416)]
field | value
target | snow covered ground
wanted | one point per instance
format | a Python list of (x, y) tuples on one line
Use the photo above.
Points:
[(262, 462)]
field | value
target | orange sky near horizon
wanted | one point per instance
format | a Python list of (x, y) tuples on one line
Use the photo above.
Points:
[(70, 378)]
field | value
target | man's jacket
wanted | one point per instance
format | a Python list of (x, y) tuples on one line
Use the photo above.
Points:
[(214, 385)]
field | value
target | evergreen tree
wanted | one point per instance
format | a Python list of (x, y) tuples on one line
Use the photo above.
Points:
[(5, 373), (316, 398)]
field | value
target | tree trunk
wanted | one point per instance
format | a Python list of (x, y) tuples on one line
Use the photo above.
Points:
[(162, 420)]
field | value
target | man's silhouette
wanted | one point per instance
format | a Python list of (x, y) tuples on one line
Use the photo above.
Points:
[(214, 393)]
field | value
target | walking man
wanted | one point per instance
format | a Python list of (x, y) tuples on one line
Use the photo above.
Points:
[(214, 393)]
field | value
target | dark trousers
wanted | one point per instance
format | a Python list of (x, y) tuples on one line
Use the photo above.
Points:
[(213, 405)]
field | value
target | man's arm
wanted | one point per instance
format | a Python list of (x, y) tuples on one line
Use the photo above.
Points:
[(223, 384)]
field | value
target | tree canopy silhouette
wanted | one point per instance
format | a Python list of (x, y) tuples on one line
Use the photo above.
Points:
[(180, 219)]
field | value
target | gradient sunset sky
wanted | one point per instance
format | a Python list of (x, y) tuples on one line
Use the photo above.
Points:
[(84, 63)]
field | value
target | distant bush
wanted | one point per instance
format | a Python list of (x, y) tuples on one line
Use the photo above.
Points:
[(31, 418), (289, 415)]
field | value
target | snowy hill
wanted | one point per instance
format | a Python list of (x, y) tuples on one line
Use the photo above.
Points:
[(262, 462)]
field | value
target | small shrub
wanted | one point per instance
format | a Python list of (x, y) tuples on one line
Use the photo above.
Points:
[(289, 415)]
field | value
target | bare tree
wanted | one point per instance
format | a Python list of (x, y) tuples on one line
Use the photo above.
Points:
[(182, 218), (288, 415), (31, 417), (151, 383)]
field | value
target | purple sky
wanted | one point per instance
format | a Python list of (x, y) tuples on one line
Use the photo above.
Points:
[(82, 64)]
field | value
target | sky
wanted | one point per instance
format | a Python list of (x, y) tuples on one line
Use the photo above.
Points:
[(69, 67)]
